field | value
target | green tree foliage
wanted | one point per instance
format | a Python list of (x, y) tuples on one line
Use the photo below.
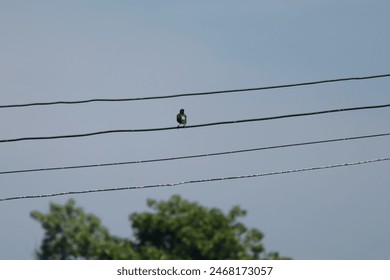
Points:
[(175, 229), (72, 234)]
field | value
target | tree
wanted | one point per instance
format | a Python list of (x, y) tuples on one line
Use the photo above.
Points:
[(72, 234), (176, 229)]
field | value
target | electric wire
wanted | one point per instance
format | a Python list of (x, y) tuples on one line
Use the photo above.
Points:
[(195, 93), (194, 126), (195, 156), (195, 181)]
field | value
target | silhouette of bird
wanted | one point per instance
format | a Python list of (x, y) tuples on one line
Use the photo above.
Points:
[(181, 118)]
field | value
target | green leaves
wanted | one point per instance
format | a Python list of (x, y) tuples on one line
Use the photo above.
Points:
[(174, 229), (70, 233)]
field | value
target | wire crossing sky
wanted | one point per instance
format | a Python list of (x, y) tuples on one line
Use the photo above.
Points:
[(195, 156), (195, 93), (91, 91), (198, 181), (194, 126)]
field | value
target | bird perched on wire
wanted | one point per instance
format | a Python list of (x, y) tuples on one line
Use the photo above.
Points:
[(181, 118)]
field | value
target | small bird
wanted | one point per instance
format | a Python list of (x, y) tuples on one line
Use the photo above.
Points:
[(181, 118)]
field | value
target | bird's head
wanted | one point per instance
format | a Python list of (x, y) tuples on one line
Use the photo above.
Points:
[(181, 111)]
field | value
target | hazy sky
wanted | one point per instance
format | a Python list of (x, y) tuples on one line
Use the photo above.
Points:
[(74, 50)]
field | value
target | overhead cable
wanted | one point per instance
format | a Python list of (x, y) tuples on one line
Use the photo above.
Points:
[(194, 181), (194, 156), (195, 93), (193, 126)]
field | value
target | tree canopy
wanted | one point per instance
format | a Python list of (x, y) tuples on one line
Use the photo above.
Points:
[(174, 229)]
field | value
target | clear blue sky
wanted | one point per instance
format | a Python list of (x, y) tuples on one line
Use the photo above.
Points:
[(71, 50)]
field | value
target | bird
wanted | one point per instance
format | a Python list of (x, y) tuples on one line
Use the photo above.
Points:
[(181, 118)]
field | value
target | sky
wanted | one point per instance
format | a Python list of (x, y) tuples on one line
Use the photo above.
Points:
[(77, 50)]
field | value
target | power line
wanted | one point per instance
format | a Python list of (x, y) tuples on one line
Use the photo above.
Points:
[(194, 93), (195, 156), (193, 126), (196, 181)]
